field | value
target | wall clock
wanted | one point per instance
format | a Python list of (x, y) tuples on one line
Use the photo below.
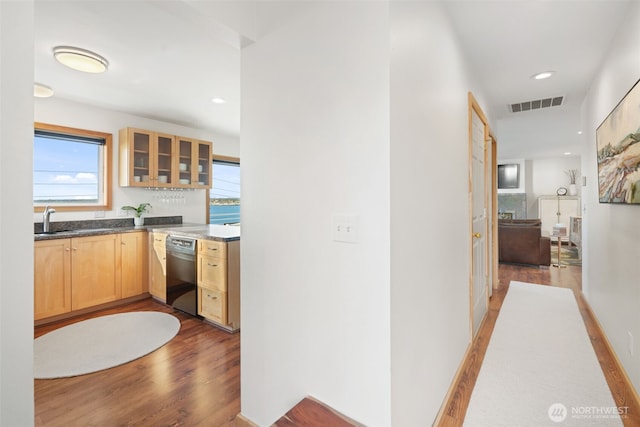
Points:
[(561, 191)]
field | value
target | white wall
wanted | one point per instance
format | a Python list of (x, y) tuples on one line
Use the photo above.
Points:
[(370, 117), (16, 229), (315, 142), (67, 113), (430, 234), (611, 234)]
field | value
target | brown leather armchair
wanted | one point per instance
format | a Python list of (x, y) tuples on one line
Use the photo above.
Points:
[(520, 241)]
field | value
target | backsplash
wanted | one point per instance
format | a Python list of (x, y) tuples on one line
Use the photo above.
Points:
[(107, 223)]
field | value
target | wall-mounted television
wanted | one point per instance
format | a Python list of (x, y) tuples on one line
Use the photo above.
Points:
[(508, 176)]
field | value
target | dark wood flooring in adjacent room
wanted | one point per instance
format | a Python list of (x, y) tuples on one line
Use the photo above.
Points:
[(569, 277), (194, 380)]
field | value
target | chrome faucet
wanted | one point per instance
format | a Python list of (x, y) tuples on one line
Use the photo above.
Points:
[(45, 218)]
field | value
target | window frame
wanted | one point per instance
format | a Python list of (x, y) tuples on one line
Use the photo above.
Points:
[(216, 158), (107, 174)]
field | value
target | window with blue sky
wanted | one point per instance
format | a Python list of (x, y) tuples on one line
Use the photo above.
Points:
[(68, 168), (225, 193)]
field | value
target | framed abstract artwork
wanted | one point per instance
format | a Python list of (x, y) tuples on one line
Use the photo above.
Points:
[(618, 145)]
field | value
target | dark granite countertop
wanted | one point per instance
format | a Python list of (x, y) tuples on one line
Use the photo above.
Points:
[(69, 229), (169, 225), (223, 233)]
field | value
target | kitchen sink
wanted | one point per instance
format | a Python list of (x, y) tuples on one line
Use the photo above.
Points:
[(47, 233)]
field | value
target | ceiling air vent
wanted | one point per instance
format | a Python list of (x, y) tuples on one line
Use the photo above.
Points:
[(536, 104)]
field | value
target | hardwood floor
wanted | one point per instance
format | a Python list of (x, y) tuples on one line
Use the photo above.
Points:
[(194, 380), (569, 277), (312, 413)]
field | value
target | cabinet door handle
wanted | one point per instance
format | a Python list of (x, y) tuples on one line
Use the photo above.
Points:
[(75, 249), (212, 265), (213, 249), (67, 249)]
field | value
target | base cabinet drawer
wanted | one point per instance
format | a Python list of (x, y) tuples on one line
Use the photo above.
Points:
[(212, 273), (212, 304), (212, 248)]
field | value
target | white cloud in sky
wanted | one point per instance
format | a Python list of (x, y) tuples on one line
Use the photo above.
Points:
[(81, 177)]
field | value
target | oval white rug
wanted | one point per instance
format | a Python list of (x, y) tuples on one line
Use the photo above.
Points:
[(102, 342)]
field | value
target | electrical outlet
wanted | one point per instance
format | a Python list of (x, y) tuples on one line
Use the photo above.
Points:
[(99, 214), (630, 343), (345, 228)]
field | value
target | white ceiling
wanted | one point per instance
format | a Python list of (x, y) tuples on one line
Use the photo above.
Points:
[(165, 60), (509, 41), (169, 58)]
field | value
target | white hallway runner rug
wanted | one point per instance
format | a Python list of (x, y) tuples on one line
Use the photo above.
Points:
[(100, 343), (540, 368)]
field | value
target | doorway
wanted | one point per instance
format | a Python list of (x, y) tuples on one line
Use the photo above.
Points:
[(482, 201)]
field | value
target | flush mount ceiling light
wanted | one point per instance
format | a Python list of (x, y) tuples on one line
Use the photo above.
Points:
[(218, 101), (80, 59), (543, 75), (42, 91)]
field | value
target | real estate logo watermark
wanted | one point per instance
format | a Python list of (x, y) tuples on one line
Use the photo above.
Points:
[(558, 412)]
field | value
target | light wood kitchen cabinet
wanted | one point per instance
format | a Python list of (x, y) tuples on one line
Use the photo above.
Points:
[(81, 272), (194, 165), (133, 253), (213, 305), (219, 282), (202, 175), (95, 270), (158, 266), (147, 159), (52, 278), (212, 265), (154, 159)]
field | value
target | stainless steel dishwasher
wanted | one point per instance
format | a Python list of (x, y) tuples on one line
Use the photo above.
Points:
[(181, 274)]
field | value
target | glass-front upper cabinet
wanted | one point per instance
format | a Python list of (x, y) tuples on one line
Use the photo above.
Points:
[(165, 153), (152, 159), (185, 161), (202, 176), (135, 157), (146, 158), (194, 166)]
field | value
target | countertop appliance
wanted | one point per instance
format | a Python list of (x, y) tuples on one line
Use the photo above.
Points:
[(181, 274)]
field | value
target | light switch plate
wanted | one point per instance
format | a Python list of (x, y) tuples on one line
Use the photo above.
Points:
[(345, 228)]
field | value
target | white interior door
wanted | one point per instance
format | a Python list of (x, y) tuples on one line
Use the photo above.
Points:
[(479, 270)]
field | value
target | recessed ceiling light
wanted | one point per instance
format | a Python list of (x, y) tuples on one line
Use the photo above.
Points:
[(579, 132), (543, 75), (567, 153), (218, 101), (80, 59), (42, 91)]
